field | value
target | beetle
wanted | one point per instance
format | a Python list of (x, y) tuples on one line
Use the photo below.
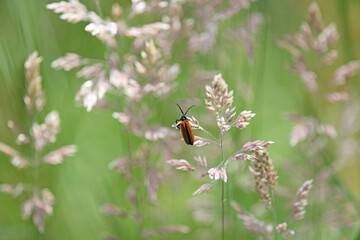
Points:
[(185, 127)]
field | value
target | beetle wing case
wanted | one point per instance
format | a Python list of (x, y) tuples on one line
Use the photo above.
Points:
[(187, 132)]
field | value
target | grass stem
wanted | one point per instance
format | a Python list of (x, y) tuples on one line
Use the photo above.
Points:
[(222, 193), (273, 212)]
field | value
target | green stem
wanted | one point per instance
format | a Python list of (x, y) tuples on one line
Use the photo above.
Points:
[(34, 164), (223, 210), (35, 156), (346, 42), (98, 7), (273, 212), (222, 193)]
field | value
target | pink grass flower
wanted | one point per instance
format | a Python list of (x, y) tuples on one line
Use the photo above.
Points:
[(205, 187), (218, 173), (181, 164), (58, 156)]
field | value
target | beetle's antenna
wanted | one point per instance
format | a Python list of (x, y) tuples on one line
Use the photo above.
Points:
[(180, 108), (189, 109)]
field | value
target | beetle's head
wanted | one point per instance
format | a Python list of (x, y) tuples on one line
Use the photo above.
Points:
[(183, 117)]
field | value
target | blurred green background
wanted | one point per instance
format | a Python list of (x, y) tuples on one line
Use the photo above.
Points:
[(84, 183)]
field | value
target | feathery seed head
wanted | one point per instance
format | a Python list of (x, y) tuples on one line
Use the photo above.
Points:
[(46, 132), (34, 95), (68, 62), (72, 11), (205, 187), (217, 173), (181, 164), (300, 202), (264, 174)]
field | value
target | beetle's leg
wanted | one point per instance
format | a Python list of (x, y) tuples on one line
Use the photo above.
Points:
[(177, 124)]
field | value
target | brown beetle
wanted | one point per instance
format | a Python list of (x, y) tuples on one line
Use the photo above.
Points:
[(185, 127)]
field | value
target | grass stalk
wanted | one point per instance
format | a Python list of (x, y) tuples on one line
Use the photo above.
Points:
[(222, 193), (345, 33), (34, 165), (35, 155), (273, 212)]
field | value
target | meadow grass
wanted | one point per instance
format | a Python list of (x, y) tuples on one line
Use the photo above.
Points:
[(85, 183)]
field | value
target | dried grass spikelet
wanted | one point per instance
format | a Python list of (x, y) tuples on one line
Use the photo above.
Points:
[(218, 97), (17, 159), (117, 12), (345, 71), (246, 33), (264, 174), (94, 90), (251, 223), (323, 38), (148, 30), (313, 37), (314, 17), (137, 7), (152, 182), (337, 97), (157, 133), (181, 164), (288, 234), (92, 71), (243, 118), (151, 53), (202, 162), (218, 94), (131, 120), (122, 165), (254, 145), (282, 228), (218, 173), (72, 11), (58, 156), (13, 190), (202, 42), (34, 95), (110, 209), (46, 133), (299, 133), (103, 29), (68, 62), (21, 137), (200, 141), (40, 206), (300, 202), (209, 16), (326, 39), (153, 66), (195, 124), (307, 76), (330, 57), (205, 187)]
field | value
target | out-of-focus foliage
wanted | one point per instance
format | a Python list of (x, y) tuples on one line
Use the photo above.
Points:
[(266, 87)]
